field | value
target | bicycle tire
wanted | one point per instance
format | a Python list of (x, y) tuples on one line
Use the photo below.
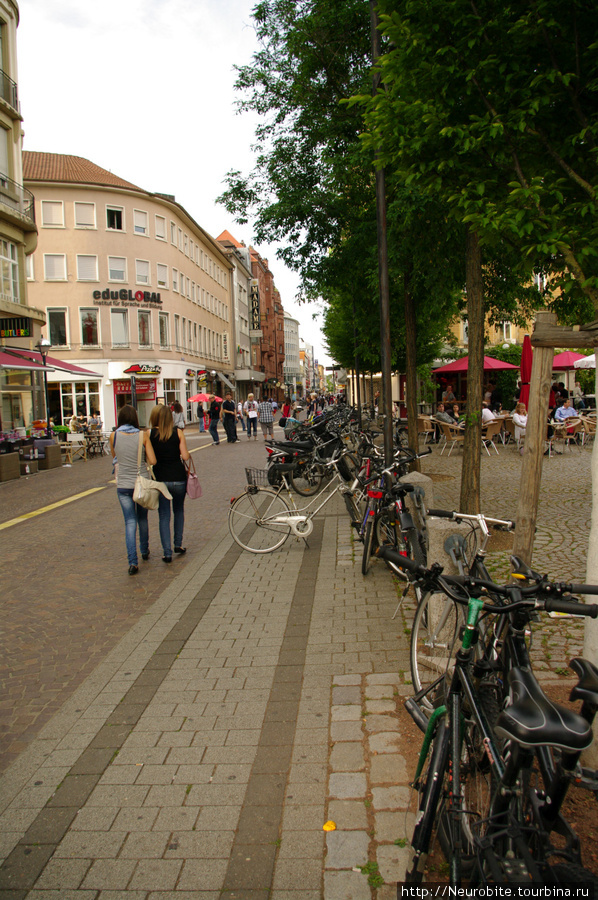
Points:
[(414, 548), (434, 642), (348, 467), (248, 525), (306, 479), (368, 544)]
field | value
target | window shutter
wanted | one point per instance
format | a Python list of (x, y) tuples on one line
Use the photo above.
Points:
[(162, 273), (85, 215), (116, 268), (87, 268), (55, 266), (140, 221), (142, 270)]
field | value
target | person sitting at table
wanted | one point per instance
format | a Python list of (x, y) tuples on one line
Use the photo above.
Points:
[(455, 414), (563, 413), (443, 416), (447, 395), (487, 414), (74, 424), (520, 420), (94, 420)]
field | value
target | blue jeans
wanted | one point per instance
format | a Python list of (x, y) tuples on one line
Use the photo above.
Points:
[(242, 419), (251, 423), (134, 515), (178, 489), (214, 432)]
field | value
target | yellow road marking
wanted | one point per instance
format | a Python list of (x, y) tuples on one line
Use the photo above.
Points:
[(43, 509)]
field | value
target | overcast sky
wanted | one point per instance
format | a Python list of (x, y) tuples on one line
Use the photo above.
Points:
[(145, 88)]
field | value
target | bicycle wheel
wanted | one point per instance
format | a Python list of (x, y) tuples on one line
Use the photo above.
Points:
[(306, 478), (414, 548), (368, 544), (434, 641), (250, 520), (431, 788)]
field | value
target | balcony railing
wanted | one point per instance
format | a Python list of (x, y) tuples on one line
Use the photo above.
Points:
[(17, 197), (8, 90)]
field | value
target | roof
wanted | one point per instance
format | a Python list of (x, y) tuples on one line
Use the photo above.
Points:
[(71, 169), (227, 238)]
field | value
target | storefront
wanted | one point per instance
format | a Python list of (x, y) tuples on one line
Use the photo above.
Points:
[(21, 394)]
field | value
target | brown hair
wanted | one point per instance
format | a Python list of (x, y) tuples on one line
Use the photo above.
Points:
[(161, 419), (127, 415)]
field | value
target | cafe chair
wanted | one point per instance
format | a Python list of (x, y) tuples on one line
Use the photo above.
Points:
[(589, 430), (425, 427), (76, 447), (452, 436), (491, 431)]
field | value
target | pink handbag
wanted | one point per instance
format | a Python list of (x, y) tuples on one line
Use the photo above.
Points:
[(193, 485)]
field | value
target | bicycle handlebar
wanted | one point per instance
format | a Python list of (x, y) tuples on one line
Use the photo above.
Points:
[(532, 595), (458, 517)]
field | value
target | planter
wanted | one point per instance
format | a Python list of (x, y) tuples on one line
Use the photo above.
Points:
[(9, 466)]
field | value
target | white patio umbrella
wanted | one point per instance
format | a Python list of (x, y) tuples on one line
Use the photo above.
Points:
[(588, 362)]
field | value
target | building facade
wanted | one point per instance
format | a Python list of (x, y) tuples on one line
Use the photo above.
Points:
[(292, 367), (268, 353), (132, 288), (21, 391)]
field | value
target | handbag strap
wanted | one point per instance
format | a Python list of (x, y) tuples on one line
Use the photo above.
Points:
[(190, 465), (148, 467)]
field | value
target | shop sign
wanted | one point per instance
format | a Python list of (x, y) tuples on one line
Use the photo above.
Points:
[(141, 387), (190, 373), (124, 297), (14, 328), (254, 309), (143, 369), (225, 355)]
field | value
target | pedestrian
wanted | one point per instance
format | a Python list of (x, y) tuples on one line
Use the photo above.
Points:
[(266, 417), (214, 413), (124, 447), (286, 408), (250, 408), (170, 449), (228, 414), (240, 415), (201, 417), (178, 416)]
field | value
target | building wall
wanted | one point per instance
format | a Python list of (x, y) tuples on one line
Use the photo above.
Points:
[(134, 280), (292, 364)]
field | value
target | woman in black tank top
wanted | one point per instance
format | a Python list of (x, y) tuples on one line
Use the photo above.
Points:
[(170, 448)]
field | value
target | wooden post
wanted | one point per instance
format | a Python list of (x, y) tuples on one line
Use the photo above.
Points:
[(533, 450)]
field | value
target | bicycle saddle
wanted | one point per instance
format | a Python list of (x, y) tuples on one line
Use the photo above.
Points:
[(587, 687), (401, 489), (533, 720), (293, 446)]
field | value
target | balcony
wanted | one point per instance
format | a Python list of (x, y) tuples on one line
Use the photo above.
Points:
[(17, 198), (8, 91)]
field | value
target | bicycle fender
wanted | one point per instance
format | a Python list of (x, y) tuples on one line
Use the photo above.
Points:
[(406, 520)]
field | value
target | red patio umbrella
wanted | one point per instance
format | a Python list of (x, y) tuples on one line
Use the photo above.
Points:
[(199, 398), (460, 365), (527, 355), (566, 360)]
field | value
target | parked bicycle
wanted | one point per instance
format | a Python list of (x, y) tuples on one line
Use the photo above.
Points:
[(498, 817)]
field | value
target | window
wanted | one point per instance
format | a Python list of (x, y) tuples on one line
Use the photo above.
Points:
[(140, 225), (52, 214), (506, 331), (85, 215), (162, 275), (117, 268), (184, 333), (175, 280), (171, 391), (160, 225), (142, 271), (54, 266), (163, 322), (120, 327), (177, 332), (195, 345), (186, 244), (114, 218), (173, 233), (29, 268), (180, 238), (143, 327), (57, 327), (89, 327), (87, 268)]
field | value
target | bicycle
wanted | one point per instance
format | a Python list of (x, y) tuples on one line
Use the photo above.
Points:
[(437, 619), (494, 821), (261, 519)]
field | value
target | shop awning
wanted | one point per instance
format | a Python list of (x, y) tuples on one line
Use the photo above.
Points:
[(223, 378), (8, 360), (53, 363)]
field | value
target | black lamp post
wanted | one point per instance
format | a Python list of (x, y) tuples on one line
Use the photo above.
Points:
[(43, 345)]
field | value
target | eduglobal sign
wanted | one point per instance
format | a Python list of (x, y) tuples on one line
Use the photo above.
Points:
[(124, 297)]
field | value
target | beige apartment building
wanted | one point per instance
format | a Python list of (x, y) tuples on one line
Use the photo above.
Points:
[(133, 290)]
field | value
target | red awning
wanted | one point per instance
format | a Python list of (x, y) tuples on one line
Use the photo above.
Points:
[(52, 363), (8, 360), (460, 365)]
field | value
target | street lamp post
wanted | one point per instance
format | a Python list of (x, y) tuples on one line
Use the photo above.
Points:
[(43, 345)]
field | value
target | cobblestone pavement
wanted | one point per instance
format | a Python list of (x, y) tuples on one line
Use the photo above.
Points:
[(245, 704)]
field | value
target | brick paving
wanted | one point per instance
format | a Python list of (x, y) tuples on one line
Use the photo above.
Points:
[(245, 703)]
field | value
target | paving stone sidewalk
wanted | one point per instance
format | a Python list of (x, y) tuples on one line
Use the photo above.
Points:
[(255, 701)]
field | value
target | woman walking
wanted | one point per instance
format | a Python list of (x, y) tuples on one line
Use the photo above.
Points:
[(170, 449), (178, 415), (124, 446)]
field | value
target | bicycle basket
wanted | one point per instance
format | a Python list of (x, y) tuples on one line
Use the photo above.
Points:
[(256, 476)]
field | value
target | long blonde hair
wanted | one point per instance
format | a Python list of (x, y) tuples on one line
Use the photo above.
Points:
[(161, 419)]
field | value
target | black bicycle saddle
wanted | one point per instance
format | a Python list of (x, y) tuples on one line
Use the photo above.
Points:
[(533, 720)]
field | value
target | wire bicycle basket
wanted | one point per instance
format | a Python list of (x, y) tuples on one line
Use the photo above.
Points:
[(257, 477)]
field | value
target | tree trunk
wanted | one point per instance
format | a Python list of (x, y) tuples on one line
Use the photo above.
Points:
[(470, 472), (590, 644), (411, 366)]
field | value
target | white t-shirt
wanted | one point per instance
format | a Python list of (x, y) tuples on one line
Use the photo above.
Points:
[(487, 415), (250, 408)]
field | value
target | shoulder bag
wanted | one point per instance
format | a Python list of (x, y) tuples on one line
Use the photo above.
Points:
[(147, 490), (194, 491)]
